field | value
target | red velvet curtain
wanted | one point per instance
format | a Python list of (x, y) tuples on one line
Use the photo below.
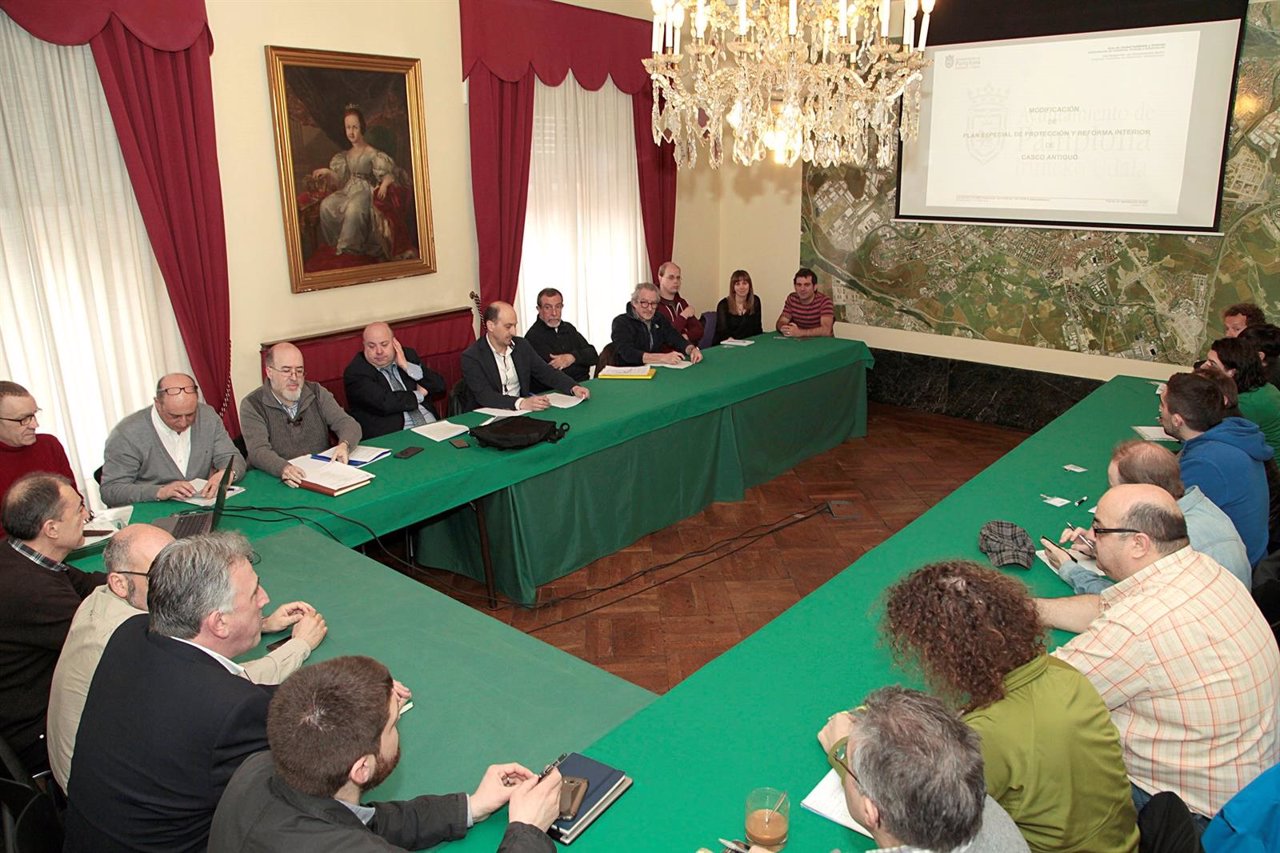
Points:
[(509, 41), (153, 58), (501, 140)]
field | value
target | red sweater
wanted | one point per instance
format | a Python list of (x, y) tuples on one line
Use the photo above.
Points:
[(45, 455)]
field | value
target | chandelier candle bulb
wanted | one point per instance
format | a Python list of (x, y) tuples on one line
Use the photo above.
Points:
[(792, 19), (842, 28), (909, 9), (742, 17), (885, 9)]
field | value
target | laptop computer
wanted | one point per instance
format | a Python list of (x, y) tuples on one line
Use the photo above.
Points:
[(184, 524)]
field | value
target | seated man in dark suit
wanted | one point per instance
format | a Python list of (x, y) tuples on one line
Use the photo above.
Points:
[(557, 341), (643, 335), (169, 716), (39, 594), (388, 386), (332, 728), (498, 367)]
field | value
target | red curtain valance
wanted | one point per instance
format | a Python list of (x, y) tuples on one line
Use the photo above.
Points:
[(159, 24), (508, 37)]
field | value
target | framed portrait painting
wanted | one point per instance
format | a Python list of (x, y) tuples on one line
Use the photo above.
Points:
[(351, 151)]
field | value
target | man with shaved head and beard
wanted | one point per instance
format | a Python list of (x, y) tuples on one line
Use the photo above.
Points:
[(154, 454), (388, 386), (289, 417), (1178, 651)]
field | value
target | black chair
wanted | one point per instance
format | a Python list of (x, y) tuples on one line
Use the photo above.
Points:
[(1165, 825), (97, 475), (460, 398), (606, 358), (28, 812)]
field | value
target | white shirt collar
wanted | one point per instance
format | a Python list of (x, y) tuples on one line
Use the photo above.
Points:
[(230, 665), (176, 444)]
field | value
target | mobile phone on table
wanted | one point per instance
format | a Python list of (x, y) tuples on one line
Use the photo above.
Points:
[(459, 443), (411, 450)]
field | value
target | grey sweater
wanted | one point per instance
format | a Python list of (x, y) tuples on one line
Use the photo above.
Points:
[(273, 438), (135, 464)]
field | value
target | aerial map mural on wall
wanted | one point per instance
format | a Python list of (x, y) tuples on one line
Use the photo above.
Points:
[(1156, 297)]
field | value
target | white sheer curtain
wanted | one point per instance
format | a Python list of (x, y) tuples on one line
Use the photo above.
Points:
[(583, 234), (88, 327)]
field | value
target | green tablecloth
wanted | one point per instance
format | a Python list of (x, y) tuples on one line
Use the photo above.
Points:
[(661, 450), (749, 718), (482, 692)]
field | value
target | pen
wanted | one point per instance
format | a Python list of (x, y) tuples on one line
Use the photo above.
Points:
[(552, 766), (732, 845), (1082, 500)]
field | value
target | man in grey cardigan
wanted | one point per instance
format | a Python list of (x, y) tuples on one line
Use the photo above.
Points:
[(154, 454), (289, 417)]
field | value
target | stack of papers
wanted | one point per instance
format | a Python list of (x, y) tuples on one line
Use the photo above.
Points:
[(440, 430), (362, 455), (641, 372), (734, 342), (827, 800), (679, 365), (329, 478), (198, 484)]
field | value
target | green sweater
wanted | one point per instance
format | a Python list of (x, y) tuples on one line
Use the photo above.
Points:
[(1262, 406), (1053, 761)]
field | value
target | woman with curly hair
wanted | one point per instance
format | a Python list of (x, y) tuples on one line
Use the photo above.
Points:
[(1052, 755)]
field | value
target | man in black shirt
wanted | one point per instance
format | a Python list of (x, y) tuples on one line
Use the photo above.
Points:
[(557, 341)]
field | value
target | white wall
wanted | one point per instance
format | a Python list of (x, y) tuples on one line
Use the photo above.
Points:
[(262, 306)]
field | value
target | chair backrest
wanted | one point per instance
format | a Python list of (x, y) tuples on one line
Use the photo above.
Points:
[(606, 358), (708, 329), (459, 398), (1165, 825), (37, 828)]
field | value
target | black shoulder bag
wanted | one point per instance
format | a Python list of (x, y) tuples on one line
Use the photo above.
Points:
[(516, 432)]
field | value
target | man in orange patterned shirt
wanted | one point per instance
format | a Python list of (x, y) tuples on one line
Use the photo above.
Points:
[(1179, 652)]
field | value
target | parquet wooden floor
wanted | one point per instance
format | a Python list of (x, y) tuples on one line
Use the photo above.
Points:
[(660, 628)]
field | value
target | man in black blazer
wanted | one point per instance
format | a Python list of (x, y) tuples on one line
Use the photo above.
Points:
[(334, 736), (169, 717), (498, 367), (388, 386)]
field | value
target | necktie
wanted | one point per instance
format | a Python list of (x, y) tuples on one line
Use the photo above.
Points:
[(393, 376)]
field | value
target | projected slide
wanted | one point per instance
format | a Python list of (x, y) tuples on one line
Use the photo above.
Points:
[(1120, 128)]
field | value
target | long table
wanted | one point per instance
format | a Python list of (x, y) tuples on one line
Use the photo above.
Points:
[(749, 718), (741, 416), (650, 453)]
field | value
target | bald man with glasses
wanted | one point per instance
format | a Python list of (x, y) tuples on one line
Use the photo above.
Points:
[(22, 450), (1179, 652), (156, 453)]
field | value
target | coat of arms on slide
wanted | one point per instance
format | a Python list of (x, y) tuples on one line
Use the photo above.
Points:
[(985, 131)]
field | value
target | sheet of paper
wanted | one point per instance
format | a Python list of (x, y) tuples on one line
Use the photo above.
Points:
[(1152, 433), (640, 370), (563, 401), (734, 342), (502, 413), (1091, 565), (679, 365), (1075, 469), (113, 519), (440, 430), (1054, 501), (827, 800), (199, 483)]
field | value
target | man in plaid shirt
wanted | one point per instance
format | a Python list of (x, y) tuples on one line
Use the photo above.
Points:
[(1179, 652)]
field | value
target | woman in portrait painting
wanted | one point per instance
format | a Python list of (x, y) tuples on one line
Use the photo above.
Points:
[(363, 214)]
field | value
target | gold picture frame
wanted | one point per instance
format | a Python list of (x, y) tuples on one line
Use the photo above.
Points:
[(351, 151)]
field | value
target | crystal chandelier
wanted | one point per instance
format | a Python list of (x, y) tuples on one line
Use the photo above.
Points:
[(812, 80)]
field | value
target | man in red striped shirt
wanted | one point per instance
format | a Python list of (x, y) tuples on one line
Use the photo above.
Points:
[(807, 313)]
